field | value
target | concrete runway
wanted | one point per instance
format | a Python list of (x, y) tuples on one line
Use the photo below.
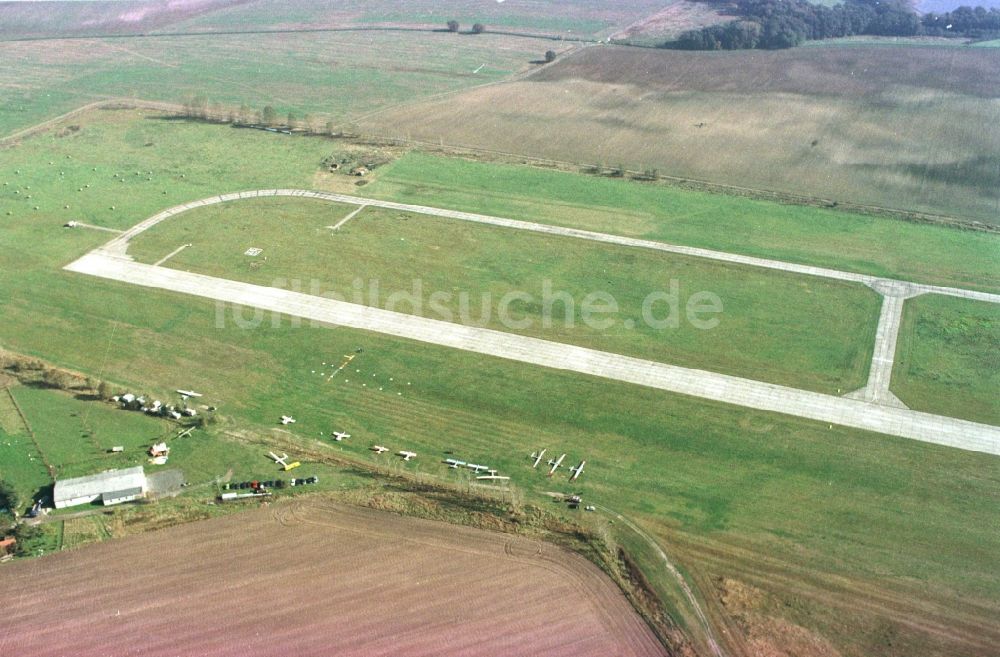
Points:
[(112, 263)]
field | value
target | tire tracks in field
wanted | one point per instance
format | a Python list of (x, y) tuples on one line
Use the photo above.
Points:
[(515, 77), (906, 608), (706, 626), (106, 103)]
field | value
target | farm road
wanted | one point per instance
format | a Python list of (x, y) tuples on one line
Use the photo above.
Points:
[(697, 383)]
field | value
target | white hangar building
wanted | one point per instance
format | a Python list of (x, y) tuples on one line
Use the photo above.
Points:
[(109, 487)]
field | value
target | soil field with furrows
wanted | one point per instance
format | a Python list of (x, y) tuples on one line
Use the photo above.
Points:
[(318, 579), (907, 128)]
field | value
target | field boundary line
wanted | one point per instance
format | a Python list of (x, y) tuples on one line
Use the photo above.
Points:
[(678, 576), (31, 433), (515, 77), (107, 103), (309, 30)]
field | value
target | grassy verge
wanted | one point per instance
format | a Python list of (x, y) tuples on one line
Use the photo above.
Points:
[(462, 272), (896, 249), (948, 358)]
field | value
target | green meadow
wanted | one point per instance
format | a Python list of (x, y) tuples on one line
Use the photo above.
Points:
[(948, 357), (333, 75), (815, 236)]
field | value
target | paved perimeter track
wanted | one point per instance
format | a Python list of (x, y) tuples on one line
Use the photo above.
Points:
[(119, 245), (697, 383)]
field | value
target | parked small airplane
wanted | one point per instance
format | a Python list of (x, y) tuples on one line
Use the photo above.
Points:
[(407, 455), (555, 464), (287, 419), (188, 393), (378, 449), (454, 464), (577, 471), (492, 477), (477, 468), (283, 461), (186, 432), (340, 435), (538, 458)]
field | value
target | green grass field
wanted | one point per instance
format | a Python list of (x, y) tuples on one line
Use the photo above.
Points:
[(438, 260), (558, 18), (806, 511), (76, 437), (828, 238), (334, 75), (21, 464), (948, 357)]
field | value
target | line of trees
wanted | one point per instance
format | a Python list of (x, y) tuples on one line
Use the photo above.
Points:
[(975, 23), (774, 24), (198, 107)]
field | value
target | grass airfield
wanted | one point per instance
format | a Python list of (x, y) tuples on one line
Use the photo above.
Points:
[(806, 235), (769, 328), (947, 359), (821, 510)]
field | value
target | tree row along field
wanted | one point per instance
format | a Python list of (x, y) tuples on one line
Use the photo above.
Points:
[(906, 128), (907, 516), (338, 74), (821, 333)]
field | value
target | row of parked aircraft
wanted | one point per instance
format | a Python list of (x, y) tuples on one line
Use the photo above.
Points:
[(491, 473), (379, 449), (556, 463)]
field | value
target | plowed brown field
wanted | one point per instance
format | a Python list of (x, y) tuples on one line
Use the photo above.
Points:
[(317, 580)]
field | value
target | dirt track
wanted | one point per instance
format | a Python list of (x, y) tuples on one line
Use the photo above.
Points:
[(317, 580)]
